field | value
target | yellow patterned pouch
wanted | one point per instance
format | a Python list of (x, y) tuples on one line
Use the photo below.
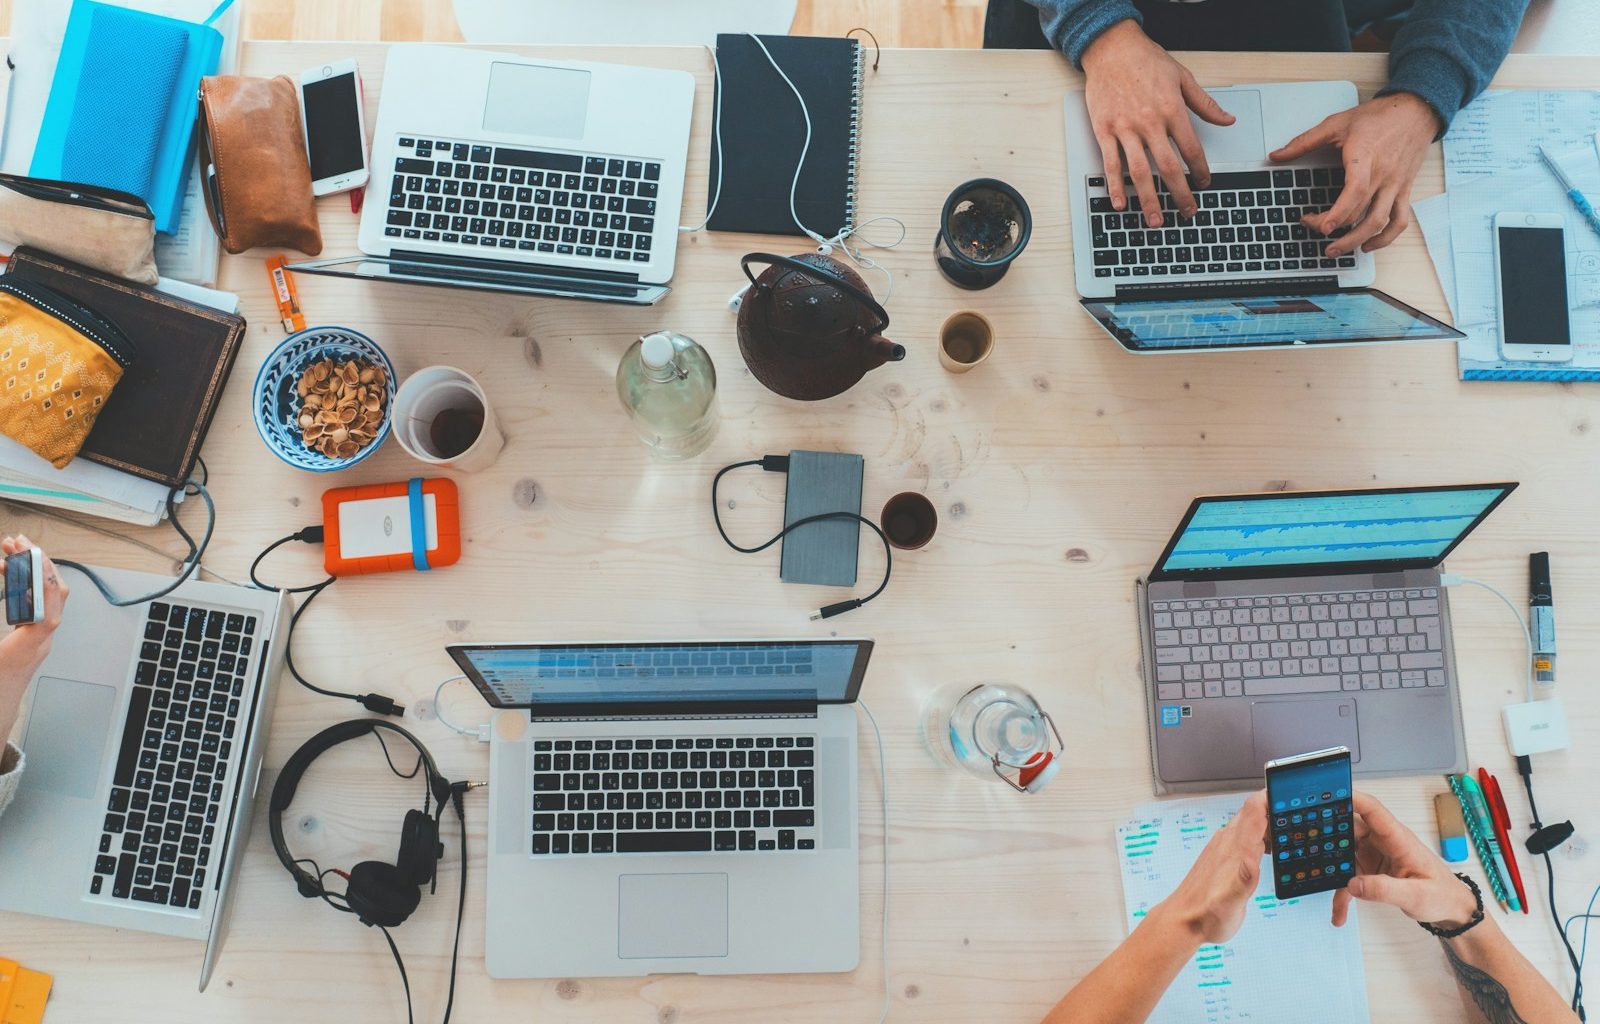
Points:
[(59, 361)]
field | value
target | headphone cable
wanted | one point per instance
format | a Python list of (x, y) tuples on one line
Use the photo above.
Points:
[(191, 561)]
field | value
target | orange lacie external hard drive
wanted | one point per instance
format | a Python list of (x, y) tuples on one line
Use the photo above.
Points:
[(391, 527)]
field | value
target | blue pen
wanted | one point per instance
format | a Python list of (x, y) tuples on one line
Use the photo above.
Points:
[(1578, 198)]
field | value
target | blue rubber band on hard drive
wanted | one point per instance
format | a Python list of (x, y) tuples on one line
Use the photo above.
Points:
[(419, 525)]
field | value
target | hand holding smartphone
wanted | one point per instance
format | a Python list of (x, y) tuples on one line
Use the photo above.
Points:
[(1311, 822), (24, 587)]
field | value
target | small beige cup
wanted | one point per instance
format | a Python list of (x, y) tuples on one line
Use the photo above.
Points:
[(965, 339)]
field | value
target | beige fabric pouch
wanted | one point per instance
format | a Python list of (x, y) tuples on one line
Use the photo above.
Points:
[(99, 227)]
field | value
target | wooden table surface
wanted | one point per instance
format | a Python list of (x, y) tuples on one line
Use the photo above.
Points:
[(1059, 469)]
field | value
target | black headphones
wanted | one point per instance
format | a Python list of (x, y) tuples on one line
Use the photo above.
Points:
[(378, 893)]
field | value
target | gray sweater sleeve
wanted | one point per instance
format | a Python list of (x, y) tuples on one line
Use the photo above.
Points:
[(11, 762), (1071, 25), (1449, 49)]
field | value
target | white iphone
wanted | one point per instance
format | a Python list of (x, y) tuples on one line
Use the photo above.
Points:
[(1530, 260), (335, 127)]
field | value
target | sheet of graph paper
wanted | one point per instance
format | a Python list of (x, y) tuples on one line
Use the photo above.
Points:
[(1287, 963)]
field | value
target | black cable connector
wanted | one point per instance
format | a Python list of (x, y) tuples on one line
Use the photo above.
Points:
[(838, 608), (376, 703)]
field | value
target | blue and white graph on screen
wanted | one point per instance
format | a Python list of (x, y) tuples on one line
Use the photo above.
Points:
[(1295, 530)]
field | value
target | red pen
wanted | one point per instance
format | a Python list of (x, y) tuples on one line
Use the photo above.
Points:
[(1502, 829)]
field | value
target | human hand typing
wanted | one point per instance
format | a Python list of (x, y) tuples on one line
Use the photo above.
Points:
[(1139, 99), (1382, 142)]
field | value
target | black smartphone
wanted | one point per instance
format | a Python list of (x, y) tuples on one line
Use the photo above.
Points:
[(24, 603), (1311, 822)]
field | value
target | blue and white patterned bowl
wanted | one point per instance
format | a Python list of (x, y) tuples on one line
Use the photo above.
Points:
[(275, 403)]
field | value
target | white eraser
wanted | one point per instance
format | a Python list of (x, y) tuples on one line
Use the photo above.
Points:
[(1536, 726)]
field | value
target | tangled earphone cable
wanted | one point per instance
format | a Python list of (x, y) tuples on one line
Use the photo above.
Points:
[(191, 562)]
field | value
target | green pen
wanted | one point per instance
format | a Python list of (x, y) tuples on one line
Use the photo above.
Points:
[(1483, 825)]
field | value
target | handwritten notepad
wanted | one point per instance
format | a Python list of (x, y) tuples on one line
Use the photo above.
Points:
[(1287, 963)]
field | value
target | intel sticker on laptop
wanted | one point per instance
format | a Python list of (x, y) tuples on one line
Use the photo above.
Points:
[(1171, 716)]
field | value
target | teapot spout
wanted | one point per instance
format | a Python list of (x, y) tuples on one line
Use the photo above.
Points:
[(881, 350)]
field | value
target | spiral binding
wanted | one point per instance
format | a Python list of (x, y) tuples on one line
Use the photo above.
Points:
[(855, 137)]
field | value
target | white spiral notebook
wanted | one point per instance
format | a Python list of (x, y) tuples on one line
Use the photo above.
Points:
[(1287, 962)]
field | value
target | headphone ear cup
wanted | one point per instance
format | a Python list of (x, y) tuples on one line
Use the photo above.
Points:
[(420, 849), (379, 894)]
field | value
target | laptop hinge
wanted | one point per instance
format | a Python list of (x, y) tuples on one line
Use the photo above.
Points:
[(435, 261), (1177, 290)]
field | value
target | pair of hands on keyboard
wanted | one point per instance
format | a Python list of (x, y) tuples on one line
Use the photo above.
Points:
[(1139, 100), (24, 649)]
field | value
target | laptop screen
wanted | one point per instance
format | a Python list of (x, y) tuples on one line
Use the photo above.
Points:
[(1252, 321), (1378, 530), (629, 676)]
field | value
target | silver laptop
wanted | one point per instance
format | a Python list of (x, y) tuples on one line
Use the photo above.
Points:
[(145, 731), (1288, 621), (1243, 273), (675, 807), (508, 173)]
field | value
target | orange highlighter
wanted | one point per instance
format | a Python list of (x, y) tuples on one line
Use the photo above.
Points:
[(1502, 829)]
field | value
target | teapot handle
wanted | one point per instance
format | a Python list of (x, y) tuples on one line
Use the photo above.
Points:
[(823, 273)]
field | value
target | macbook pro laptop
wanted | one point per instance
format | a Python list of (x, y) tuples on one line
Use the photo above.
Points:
[(671, 807), (145, 731), (1289, 621), (1244, 272), (516, 174)]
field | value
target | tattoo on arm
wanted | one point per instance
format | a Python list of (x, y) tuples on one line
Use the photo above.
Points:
[(1490, 996)]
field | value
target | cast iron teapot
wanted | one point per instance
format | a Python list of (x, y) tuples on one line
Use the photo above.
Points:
[(809, 327)]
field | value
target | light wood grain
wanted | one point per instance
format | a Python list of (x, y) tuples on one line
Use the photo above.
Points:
[(1059, 469)]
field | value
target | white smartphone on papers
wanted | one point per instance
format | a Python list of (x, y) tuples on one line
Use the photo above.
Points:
[(335, 127), (1530, 259)]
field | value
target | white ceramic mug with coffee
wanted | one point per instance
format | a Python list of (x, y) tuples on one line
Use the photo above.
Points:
[(443, 418)]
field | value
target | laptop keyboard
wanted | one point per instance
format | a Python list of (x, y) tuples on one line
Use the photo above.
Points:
[(498, 197), (1298, 643), (1248, 223), (177, 748), (721, 794)]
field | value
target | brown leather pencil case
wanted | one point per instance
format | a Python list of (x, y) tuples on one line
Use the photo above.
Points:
[(253, 156)]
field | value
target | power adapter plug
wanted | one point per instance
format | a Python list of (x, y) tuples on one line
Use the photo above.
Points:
[(1536, 726)]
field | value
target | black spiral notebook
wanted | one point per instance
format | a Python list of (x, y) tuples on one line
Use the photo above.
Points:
[(763, 130)]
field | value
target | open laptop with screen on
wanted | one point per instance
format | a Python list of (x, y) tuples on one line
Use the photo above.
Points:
[(1281, 622), (686, 807), (1244, 272)]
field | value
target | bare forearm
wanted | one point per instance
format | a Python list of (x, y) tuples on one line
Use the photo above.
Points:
[(1498, 984), (1129, 983)]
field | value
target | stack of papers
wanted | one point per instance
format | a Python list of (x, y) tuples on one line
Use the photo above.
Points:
[(1287, 958), (89, 487), (1492, 165), (192, 251)]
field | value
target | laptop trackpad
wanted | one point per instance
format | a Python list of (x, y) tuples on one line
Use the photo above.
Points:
[(672, 916), (1242, 142), (1283, 728), (66, 736)]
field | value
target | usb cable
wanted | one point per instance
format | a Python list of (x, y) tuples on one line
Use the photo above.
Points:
[(780, 464)]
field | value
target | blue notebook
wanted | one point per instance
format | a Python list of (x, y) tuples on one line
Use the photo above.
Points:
[(122, 106)]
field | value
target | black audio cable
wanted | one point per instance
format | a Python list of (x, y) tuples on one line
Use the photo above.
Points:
[(1544, 839)]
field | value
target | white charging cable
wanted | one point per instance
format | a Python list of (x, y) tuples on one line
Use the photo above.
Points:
[(883, 779), (1450, 579), (824, 245), (479, 733)]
